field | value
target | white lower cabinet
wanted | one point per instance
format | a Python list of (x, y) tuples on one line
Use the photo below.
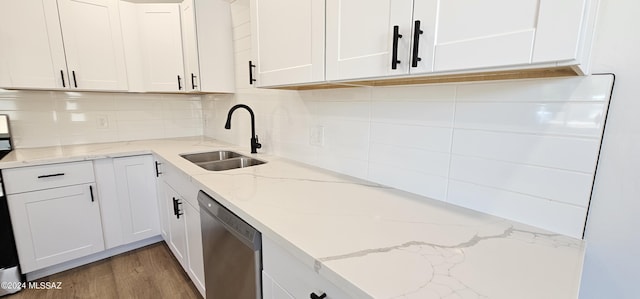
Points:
[(286, 277), (58, 220), (180, 215), (127, 192)]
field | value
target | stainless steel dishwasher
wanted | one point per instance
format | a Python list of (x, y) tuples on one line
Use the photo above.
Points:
[(232, 251)]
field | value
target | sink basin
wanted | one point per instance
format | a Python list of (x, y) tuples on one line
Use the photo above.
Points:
[(221, 160), (232, 163), (211, 156)]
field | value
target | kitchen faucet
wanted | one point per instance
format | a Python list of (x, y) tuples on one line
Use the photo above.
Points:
[(254, 138)]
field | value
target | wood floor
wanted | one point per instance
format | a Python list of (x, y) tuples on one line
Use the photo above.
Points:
[(148, 272)]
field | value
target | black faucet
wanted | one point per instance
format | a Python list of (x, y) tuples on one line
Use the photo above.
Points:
[(254, 138)]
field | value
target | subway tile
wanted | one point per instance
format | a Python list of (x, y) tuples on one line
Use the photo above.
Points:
[(553, 184), (427, 113), (574, 119), (554, 216), (411, 136), (570, 153), (427, 162), (418, 182), (583, 88), (421, 93), (354, 111)]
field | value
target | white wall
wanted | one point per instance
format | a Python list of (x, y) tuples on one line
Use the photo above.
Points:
[(48, 118), (612, 265), (524, 150)]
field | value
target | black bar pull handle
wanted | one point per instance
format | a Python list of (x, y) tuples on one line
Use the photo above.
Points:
[(62, 76), (91, 192), (178, 212), (251, 66), (75, 82), (158, 173), (50, 175), (416, 43), (394, 53), (316, 296), (175, 206), (179, 83), (193, 81)]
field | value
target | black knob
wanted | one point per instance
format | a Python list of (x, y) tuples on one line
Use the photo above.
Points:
[(314, 296)]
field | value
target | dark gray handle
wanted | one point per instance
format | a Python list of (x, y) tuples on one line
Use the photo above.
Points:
[(50, 175), (91, 192), (251, 79), (75, 82), (62, 76), (416, 43), (193, 81), (179, 83), (394, 53)]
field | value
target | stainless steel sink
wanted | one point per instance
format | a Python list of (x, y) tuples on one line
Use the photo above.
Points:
[(221, 160), (211, 156)]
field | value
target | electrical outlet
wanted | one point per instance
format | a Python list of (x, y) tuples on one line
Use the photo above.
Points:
[(103, 122), (316, 136)]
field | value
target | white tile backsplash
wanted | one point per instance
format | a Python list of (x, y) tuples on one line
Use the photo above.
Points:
[(46, 118)]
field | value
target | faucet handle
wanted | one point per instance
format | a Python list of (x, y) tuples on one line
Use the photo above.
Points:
[(258, 145)]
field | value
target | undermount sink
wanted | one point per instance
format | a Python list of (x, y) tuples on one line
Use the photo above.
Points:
[(221, 160)]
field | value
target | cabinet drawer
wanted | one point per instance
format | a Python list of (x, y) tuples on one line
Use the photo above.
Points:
[(292, 276), (40, 177)]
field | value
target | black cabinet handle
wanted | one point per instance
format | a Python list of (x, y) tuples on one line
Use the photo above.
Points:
[(321, 296), (179, 83), (416, 43), (394, 53), (75, 82), (251, 66), (193, 81), (175, 207), (50, 175), (178, 212), (91, 192), (158, 173), (62, 76)]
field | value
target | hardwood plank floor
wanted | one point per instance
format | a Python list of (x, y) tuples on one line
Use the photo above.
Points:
[(148, 272)]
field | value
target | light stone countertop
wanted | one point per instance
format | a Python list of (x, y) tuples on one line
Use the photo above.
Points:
[(371, 241)]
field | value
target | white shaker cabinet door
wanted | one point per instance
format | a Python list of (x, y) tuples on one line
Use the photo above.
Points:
[(287, 41), (135, 184), (177, 231), (477, 34), (360, 38), (55, 225), (31, 44), (190, 46), (93, 44), (195, 267), (161, 44)]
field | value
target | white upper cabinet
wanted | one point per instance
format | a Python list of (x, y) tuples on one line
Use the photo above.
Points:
[(93, 44), (373, 39), (208, 46), (32, 45), (496, 33), (161, 45), (288, 41), (74, 45), (360, 38)]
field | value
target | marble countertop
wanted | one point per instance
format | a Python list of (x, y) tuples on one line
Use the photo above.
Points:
[(371, 241)]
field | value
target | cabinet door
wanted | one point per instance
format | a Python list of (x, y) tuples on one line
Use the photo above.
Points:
[(55, 225), (32, 44), (190, 46), (474, 34), (360, 38), (288, 41), (135, 184), (194, 245), (177, 237), (161, 47), (271, 289), (93, 44)]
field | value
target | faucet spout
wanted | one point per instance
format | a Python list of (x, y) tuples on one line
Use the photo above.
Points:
[(254, 138)]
